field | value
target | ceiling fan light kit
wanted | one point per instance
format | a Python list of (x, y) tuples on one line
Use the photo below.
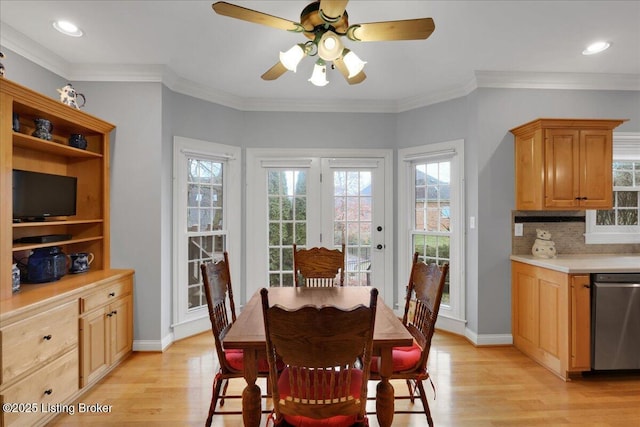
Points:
[(324, 23), (319, 75), (291, 58), (353, 63)]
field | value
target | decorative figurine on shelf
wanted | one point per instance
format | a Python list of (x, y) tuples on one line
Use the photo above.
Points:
[(1, 66), (69, 96), (43, 129), (543, 247)]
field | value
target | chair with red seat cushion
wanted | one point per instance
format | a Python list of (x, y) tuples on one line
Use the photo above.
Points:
[(320, 347), (424, 294), (218, 291)]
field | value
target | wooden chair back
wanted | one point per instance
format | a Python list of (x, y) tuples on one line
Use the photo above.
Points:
[(218, 291), (318, 267), (320, 347), (424, 295)]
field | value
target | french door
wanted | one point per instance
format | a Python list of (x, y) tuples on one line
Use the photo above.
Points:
[(316, 201)]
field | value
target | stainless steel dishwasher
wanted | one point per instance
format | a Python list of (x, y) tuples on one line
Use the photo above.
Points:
[(615, 321)]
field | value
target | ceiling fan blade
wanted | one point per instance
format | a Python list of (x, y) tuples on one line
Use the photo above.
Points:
[(332, 9), (250, 15), (274, 72), (410, 29), (342, 67)]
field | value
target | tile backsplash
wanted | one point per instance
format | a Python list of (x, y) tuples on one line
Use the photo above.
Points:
[(567, 231)]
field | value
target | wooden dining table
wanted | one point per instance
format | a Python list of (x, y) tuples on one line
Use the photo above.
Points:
[(247, 333)]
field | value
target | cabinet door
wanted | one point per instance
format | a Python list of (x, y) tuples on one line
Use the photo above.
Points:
[(529, 168), (580, 323), (562, 168), (596, 159), (94, 330), (525, 321), (120, 325)]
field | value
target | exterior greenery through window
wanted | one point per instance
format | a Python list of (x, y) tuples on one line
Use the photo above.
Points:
[(432, 220), (287, 198)]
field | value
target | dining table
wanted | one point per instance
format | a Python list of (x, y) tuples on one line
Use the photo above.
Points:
[(247, 333)]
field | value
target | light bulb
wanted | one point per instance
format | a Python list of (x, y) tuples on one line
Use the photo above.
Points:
[(330, 47)]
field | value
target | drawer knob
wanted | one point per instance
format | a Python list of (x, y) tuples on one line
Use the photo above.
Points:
[(112, 294), (49, 391), (46, 337)]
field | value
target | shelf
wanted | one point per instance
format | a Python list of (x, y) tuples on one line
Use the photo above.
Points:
[(33, 143), (60, 222), (17, 247)]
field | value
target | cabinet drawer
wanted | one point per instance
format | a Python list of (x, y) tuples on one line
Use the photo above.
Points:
[(106, 295), (30, 343), (44, 392)]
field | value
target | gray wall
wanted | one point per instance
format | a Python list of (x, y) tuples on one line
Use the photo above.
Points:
[(499, 110), (148, 115)]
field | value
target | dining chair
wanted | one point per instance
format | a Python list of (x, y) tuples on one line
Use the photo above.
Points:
[(218, 291), (318, 267), (322, 383), (424, 294)]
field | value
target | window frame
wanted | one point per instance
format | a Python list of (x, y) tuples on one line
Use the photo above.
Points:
[(452, 318), (626, 146), (186, 321)]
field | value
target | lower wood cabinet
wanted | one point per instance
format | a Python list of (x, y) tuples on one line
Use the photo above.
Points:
[(551, 317), (580, 323), (106, 332), (56, 342)]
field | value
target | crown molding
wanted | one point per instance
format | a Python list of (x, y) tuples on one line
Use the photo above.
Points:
[(538, 80), (31, 50)]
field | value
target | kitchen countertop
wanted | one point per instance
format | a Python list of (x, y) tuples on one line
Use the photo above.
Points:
[(585, 263)]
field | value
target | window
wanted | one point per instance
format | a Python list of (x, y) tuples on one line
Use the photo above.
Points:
[(621, 223), (206, 192), (431, 221)]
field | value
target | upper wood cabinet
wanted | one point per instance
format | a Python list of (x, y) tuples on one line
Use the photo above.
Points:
[(564, 164)]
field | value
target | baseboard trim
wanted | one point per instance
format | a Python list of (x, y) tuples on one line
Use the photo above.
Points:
[(455, 326), (480, 340), (153, 345)]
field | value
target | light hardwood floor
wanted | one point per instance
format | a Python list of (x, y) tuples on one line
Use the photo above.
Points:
[(489, 386)]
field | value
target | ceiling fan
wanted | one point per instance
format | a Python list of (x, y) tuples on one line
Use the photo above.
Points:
[(324, 23)]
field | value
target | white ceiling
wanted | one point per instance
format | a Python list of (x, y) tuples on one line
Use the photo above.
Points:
[(195, 51)]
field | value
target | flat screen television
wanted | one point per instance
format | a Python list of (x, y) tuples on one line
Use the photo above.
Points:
[(37, 196)]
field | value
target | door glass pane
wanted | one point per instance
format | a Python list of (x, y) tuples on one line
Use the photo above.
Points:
[(287, 198), (352, 223)]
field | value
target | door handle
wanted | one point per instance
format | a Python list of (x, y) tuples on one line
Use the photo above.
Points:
[(379, 246)]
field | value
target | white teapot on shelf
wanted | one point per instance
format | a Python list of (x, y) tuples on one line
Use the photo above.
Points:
[(69, 96)]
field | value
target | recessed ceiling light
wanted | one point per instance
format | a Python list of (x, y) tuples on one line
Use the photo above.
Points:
[(67, 28), (596, 47)]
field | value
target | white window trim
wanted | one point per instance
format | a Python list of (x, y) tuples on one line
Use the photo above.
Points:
[(626, 146), (450, 319), (189, 322)]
